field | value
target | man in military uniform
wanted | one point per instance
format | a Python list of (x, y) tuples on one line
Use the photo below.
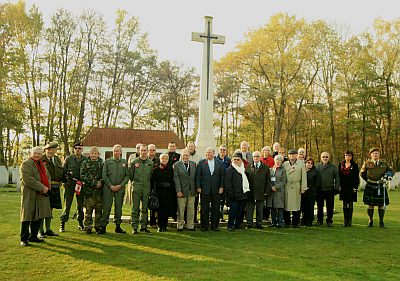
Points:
[(72, 167), (91, 174), (375, 194), (115, 176), (54, 166), (140, 171)]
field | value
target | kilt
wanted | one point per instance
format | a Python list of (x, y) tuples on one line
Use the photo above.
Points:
[(371, 196), (55, 197)]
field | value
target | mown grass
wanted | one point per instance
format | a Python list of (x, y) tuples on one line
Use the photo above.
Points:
[(317, 253)]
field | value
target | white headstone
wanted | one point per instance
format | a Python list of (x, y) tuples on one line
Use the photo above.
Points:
[(205, 135), (3, 175), (395, 182)]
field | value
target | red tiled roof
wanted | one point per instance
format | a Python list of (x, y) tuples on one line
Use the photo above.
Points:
[(107, 137)]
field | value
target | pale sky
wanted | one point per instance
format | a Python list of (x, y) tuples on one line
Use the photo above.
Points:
[(170, 22)]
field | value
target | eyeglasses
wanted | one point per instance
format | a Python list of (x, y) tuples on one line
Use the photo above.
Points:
[(78, 148)]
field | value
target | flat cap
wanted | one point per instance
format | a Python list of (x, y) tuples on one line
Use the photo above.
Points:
[(373, 149), (79, 143), (52, 144), (292, 151), (237, 155)]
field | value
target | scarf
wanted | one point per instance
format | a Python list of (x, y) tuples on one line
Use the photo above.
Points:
[(245, 182), (42, 171)]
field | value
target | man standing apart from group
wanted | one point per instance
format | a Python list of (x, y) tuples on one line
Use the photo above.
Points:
[(375, 193), (140, 171), (54, 166), (210, 174), (115, 177), (330, 184), (295, 186), (72, 171)]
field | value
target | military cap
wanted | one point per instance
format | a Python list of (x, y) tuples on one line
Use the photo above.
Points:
[(52, 144), (237, 155), (373, 149), (79, 143), (292, 151)]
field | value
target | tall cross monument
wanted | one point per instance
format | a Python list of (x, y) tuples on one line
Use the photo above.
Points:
[(205, 135)]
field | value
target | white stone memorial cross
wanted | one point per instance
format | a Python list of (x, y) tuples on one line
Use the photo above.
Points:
[(205, 135)]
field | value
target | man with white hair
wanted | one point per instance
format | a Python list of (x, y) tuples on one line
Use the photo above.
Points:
[(35, 204), (210, 175), (247, 155)]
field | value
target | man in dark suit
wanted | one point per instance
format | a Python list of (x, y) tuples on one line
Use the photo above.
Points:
[(260, 185), (210, 175), (184, 178)]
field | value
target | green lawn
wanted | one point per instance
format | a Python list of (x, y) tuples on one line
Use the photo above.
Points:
[(317, 253)]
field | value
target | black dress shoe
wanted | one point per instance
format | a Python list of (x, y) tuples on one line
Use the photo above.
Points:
[(50, 233), (145, 230), (41, 235), (370, 224), (382, 225), (118, 229), (24, 244), (215, 229), (259, 226), (134, 232), (35, 240), (102, 230)]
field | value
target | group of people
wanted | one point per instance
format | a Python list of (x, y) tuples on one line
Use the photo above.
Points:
[(267, 181)]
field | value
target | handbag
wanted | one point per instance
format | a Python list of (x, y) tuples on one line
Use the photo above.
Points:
[(153, 200)]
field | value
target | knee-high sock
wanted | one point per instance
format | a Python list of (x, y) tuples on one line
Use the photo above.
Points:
[(370, 214), (381, 213)]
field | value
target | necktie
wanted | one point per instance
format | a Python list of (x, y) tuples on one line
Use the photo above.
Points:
[(186, 166)]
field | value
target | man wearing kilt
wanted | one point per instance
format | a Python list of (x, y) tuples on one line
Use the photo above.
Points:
[(54, 166), (375, 193)]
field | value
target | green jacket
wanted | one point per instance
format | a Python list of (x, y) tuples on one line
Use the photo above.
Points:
[(140, 173), (91, 174), (115, 172), (369, 171), (55, 169), (72, 169)]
